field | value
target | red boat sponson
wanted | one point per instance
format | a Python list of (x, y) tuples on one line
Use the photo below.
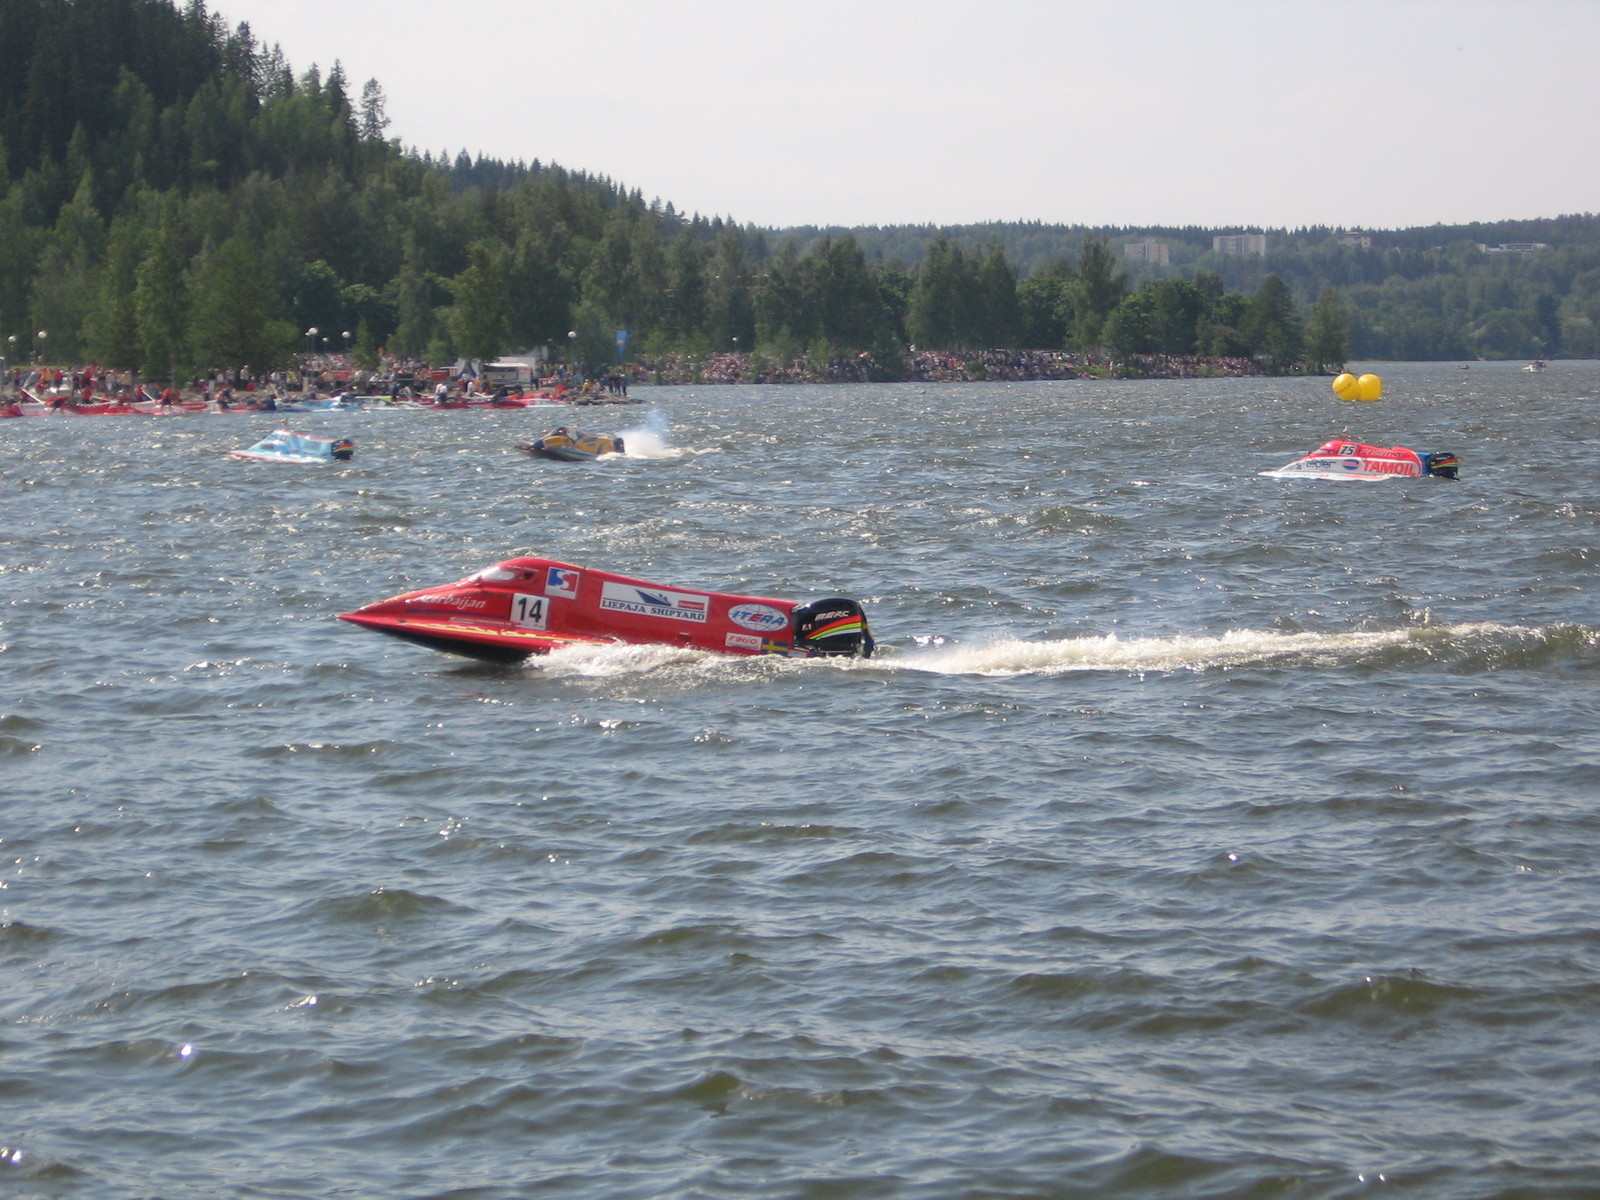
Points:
[(1391, 460), (526, 606)]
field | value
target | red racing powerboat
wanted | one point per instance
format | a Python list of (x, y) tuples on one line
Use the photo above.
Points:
[(525, 606), (1341, 458)]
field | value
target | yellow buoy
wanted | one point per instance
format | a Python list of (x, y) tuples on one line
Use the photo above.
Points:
[(1346, 386), (1371, 387)]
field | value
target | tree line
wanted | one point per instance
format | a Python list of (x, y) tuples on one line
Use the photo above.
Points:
[(190, 202), (1430, 292)]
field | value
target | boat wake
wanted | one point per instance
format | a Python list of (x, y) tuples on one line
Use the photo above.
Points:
[(605, 662), (1455, 647), (650, 440), (1462, 649)]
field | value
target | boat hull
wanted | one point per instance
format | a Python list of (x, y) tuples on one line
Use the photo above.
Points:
[(559, 453)]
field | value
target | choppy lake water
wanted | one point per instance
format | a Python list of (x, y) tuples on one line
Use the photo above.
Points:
[(1193, 834)]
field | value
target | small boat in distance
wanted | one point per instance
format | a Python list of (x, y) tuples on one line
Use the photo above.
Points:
[(526, 606), (1344, 459), (573, 445), (337, 402), (58, 403), (1535, 366), (285, 445)]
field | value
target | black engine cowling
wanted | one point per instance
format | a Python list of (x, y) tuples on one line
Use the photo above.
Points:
[(1443, 464), (834, 626)]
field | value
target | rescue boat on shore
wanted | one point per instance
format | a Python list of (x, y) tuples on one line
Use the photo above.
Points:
[(1340, 458), (526, 606), (62, 405)]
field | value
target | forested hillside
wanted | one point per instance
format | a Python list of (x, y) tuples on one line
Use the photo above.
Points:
[(1424, 293), (174, 196)]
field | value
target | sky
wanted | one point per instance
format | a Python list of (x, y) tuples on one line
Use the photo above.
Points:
[(1217, 113)]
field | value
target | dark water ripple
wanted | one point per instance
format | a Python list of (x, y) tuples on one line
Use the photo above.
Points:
[(1194, 834)]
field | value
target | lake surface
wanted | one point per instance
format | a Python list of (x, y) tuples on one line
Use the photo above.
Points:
[(1193, 834)]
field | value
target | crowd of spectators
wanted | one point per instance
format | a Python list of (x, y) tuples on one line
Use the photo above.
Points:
[(933, 366), (1187, 366), (319, 374), (940, 366), (397, 377)]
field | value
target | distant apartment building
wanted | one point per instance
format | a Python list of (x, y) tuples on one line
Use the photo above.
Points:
[(1240, 243), (1354, 237), (1149, 252), (1514, 247)]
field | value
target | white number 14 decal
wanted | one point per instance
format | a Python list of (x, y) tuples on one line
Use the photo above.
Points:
[(530, 611)]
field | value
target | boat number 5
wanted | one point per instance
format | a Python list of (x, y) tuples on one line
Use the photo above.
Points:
[(530, 611)]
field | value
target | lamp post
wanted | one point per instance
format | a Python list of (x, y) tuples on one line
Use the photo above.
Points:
[(311, 339), (346, 336), (43, 334)]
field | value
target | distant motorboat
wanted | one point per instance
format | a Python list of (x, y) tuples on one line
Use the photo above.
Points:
[(64, 408), (540, 400), (285, 445), (573, 445), (340, 402), (168, 407)]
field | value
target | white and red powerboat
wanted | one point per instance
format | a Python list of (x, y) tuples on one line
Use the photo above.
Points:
[(1344, 459)]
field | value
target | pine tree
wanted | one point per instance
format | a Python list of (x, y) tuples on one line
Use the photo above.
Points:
[(1275, 326), (231, 322), (413, 305), (936, 318), (373, 118), (1100, 287), (478, 320), (112, 329), (1327, 339), (161, 306)]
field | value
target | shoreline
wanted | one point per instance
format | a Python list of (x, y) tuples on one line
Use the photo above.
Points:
[(670, 370), (944, 366)]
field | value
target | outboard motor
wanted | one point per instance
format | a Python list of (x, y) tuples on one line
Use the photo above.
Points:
[(1441, 463), (834, 626), (344, 449)]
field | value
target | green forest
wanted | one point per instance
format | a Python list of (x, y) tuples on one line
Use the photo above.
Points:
[(195, 202)]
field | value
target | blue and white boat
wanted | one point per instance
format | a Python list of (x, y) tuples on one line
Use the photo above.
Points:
[(285, 445)]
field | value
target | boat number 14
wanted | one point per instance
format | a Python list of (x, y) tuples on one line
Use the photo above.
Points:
[(530, 611)]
